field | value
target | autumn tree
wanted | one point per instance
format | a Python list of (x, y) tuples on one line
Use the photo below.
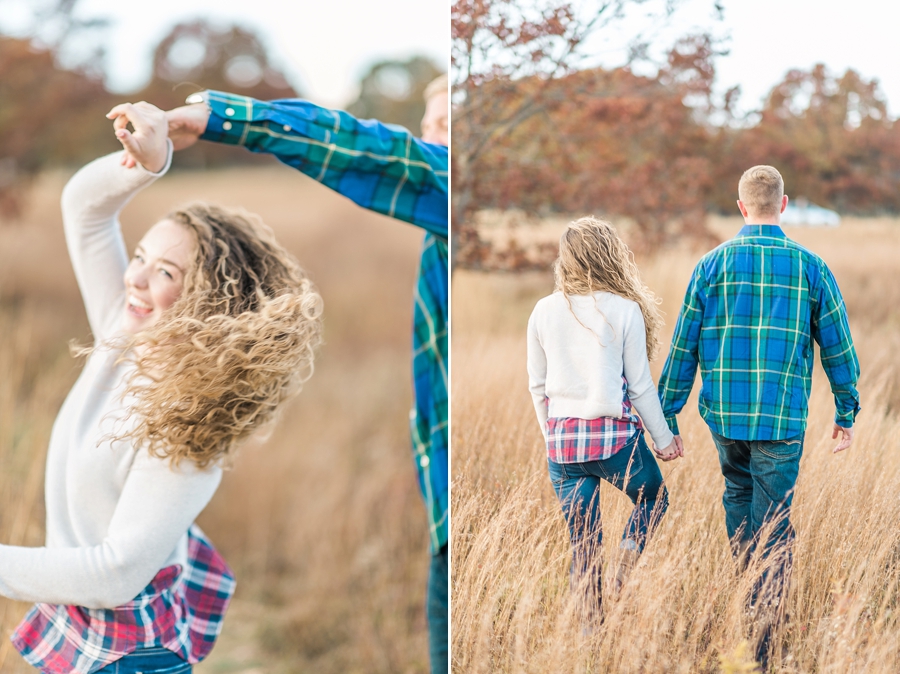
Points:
[(393, 91), (48, 115), (197, 55), (831, 138), (524, 108), (614, 143)]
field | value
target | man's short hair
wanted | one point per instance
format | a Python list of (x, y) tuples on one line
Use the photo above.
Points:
[(761, 190), (439, 85)]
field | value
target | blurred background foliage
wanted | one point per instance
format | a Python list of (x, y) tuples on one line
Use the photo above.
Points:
[(53, 96), (537, 131)]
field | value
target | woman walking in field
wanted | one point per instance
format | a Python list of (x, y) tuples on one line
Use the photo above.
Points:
[(588, 370), (199, 339)]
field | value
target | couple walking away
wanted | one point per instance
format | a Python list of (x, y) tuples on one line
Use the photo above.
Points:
[(753, 308), (198, 340)]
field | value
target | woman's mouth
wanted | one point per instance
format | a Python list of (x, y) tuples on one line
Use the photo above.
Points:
[(137, 307)]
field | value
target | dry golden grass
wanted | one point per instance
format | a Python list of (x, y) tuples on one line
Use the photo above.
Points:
[(323, 523), (682, 608)]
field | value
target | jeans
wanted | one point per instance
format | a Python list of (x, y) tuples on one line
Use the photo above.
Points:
[(437, 612), (156, 660), (577, 485), (759, 488)]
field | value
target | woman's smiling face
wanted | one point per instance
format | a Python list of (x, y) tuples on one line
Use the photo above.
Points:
[(155, 276)]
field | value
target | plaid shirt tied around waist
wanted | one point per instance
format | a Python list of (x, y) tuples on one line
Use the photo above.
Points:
[(385, 169), (572, 440), (753, 309), (181, 610)]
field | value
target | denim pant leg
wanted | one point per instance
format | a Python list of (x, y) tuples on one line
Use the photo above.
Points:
[(437, 612), (734, 458), (774, 465), (634, 471), (579, 495)]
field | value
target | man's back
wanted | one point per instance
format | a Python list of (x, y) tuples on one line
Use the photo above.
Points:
[(753, 308)]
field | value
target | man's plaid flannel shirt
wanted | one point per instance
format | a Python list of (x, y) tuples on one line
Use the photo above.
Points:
[(384, 169), (752, 310)]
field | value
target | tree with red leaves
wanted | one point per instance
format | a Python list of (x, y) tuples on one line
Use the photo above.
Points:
[(533, 131)]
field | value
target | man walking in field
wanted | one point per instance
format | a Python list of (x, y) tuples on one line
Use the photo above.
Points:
[(753, 308)]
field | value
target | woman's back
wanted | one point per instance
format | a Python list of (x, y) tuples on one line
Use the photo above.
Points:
[(583, 339)]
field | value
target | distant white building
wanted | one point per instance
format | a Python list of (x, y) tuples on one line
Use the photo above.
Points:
[(802, 212)]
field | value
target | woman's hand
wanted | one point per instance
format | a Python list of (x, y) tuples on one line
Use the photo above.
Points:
[(672, 451), (147, 144)]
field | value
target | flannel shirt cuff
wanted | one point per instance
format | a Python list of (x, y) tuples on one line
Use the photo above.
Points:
[(229, 117), (846, 419), (673, 424)]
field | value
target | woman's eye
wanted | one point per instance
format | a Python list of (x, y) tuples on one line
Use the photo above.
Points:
[(167, 274)]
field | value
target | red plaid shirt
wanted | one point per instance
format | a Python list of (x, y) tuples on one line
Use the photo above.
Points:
[(572, 440), (182, 612)]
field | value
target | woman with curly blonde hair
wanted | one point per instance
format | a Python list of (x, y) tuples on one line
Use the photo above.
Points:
[(588, 349), (198, 340)]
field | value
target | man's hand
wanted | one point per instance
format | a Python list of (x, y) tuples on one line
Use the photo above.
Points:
[(187, 124), (674, 450), (147, 144), (846, 438)]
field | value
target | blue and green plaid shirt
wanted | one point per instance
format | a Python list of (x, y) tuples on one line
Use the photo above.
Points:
[(385, 169), (752, 311)]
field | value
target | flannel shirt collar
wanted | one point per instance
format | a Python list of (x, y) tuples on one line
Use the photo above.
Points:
[(761, 230)]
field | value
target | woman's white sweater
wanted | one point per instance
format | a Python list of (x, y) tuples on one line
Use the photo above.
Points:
[(578, 351), (115, 515)]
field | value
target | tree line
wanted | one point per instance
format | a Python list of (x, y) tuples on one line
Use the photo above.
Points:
[(534, 131), (52, 114)]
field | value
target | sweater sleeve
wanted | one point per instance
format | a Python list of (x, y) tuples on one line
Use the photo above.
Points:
[(156, 508), (537, 372), (91, 203), (641, 389)]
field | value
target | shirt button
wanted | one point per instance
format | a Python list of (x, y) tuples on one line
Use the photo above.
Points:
[(424, 461), (286, 127), (226, 126), (229, 112)]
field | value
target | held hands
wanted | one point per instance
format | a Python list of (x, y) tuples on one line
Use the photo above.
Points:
[(846, 438), (187, 124), (184, 126), (146, 145), (674, 450)]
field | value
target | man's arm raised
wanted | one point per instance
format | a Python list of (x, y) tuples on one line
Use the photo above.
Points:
[(381, 167)]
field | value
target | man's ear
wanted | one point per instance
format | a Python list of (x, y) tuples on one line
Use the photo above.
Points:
[(742, 208), (784, 202)]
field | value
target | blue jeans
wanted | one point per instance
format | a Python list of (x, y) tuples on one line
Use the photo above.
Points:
[(156, 660), (759, 487), (437, 612), (577, 485)]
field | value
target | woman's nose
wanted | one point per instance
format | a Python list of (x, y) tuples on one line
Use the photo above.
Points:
[(136, 277)]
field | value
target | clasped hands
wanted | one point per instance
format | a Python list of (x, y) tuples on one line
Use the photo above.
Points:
[(146, 145), (673, 450)]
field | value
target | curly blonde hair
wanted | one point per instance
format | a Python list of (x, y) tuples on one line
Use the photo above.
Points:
[(593, 258), (238, 342)]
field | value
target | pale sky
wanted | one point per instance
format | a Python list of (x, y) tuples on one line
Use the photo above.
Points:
[(766, 38), (323, 47)]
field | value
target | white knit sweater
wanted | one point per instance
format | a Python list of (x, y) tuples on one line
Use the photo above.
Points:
[(577, 355), (115, 515)]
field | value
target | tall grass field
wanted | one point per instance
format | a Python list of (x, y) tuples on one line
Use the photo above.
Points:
[(322, 521), (682, 609)]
